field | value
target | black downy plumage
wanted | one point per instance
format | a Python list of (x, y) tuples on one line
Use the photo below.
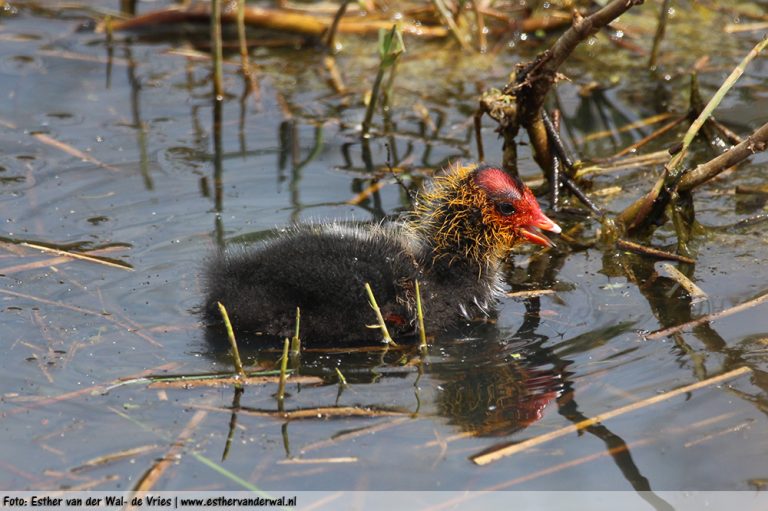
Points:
[(453, 243)]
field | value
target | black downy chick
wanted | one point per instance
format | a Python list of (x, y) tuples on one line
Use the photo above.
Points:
[(453, 243)]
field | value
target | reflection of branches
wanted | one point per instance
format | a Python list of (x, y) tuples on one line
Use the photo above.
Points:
[(543, 270), (232, 420), (617, 445), (673, 309), (218, 171), (138, 124), (617, 448)]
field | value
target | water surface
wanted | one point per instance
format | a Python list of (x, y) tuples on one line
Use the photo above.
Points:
[(141, 111)]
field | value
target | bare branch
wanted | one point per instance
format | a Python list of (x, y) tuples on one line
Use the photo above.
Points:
[(535, 79), (755, 143)]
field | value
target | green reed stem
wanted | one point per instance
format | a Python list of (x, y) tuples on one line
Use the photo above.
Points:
[(420, 318), (232, 341), (382, 325), (296, 340), (283, 373)]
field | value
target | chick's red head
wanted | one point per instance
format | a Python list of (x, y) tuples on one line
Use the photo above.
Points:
[(478, 213), (511, 208)]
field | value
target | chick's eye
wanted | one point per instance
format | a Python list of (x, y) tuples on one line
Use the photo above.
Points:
[(505, 208)]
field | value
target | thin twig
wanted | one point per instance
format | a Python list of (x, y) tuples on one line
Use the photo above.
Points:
[(648, 138), (574, 463), (80, 256), (695, 292), (334, 75), (654, 119), (82, 310), (554, 178), (652, 252), (569, 464), (330, 39), (533, 293), (39, 401), (222, 381), (314, 413), (315, 461), (446, 15), (482, 40), (65, 258), (357, 433), (735, 28), (632, 162), (708, 318), (660, 28), (376, 185), (151, 476), (72, 151), (740, 190), (581, 195), (115, 456)]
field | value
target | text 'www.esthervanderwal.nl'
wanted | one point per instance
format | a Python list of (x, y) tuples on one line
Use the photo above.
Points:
[(142, 502)]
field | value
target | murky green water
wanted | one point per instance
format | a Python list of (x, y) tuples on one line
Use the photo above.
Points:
[(142, 113)]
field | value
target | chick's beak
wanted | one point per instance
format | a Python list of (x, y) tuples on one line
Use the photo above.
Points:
[(532, 231)]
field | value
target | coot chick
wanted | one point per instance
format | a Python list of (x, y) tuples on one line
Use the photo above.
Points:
[(453, 243)]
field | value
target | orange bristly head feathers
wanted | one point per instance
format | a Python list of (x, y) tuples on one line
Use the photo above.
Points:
[(480, 212)]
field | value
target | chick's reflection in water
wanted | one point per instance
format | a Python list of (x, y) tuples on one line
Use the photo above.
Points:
[(504, 391)]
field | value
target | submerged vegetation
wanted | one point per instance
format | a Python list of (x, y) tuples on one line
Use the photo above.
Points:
[(640, 131)]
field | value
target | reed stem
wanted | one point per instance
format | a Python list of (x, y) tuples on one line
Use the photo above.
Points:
[(391, 46), (420, 318), (375, 306), (232, 341), (241, 36), (283, 374), (296, 340), (218, 55)]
